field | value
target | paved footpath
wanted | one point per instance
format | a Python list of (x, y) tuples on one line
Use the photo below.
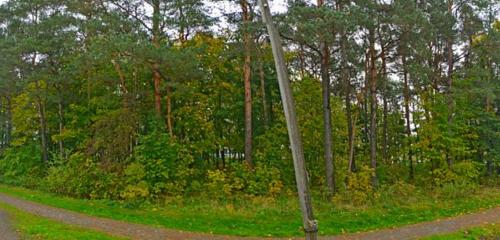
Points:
[(142, 232), (6, 232)]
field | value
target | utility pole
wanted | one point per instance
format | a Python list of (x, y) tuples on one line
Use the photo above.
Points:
[(310, 224)]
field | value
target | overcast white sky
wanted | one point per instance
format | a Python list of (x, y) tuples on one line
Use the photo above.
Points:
[(276, 5)]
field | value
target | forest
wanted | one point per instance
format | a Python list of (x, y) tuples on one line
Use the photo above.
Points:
[(155, 104)]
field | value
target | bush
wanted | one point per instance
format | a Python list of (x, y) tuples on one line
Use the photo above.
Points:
[(359, 187), (239, 179), (391, 173), (136, 189), (461, 173), (22, 165), (82, 177), (459, 181), (220, 185), (399, 192), (161, 166)]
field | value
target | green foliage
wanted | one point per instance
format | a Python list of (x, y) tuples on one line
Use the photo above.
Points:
[(145, 115), (25, 117), (160, 166), (400, 191), (461, 173), (390, 174), (359, 188), (458, 182), (220, 185), (239, 179), (112, 136), (136, 188), (271, 150), (22, 165), (83, 177)]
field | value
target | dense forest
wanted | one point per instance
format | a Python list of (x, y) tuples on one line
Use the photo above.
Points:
[(145, 100)]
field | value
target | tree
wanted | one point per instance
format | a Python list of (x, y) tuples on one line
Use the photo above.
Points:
[(247, 71)]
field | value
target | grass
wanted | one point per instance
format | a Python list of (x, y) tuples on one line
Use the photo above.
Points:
[(486, 232), (281, 217), (34, 227)]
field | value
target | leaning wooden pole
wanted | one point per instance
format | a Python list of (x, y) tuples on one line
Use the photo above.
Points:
[(310, 224)]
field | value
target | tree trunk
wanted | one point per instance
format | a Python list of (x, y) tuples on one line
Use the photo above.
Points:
[(262, 78), (385, 144), (309, 223), (449, 46), (169, 112), (373, 107), (156, 32), (247, 82), (407, 100), (123, 87), (347, 88), (61, 127), (43, 129), (302, 62), (327, 118), (364, 104), (8, 134), (3, 125), (352, 139)]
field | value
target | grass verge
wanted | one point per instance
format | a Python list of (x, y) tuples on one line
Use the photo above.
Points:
[(32, 227), (265, 217)]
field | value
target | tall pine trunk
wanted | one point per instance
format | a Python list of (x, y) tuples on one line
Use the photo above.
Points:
[(449, 81), (168, 102), (407, 100), (42, 118), (373, 106), (60, 108), (156, 32), (385, 139), (347, 94), (327, 118), (247, 82), (262, 78), (8, 133)]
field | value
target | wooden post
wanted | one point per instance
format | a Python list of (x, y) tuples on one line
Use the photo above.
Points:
[(310, 225)]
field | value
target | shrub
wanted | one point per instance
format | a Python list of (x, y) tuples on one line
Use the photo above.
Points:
[(239, 179), (22, 165), (82, 177), (399, 192), (220, 185), (359, 187), (442, 176), (136, 189), (459, 181), (161, 164), (461, 173)]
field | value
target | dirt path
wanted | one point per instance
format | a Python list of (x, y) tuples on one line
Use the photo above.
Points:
[(6, 232), (141, 232), (420, 230)]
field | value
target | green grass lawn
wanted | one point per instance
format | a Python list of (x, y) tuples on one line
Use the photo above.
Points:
[(34, 227), (486, 232), (263, 217)]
